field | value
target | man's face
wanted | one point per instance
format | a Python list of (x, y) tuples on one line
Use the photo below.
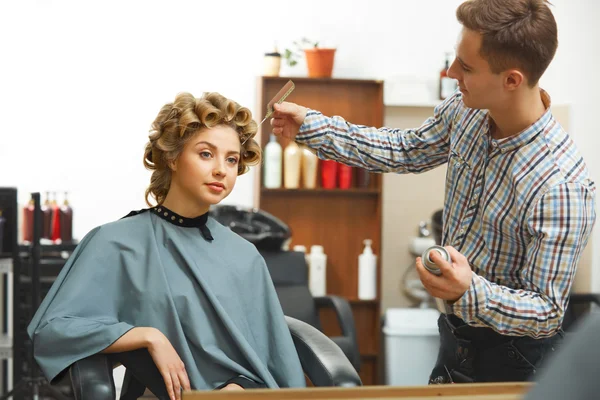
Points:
[(480, 87)]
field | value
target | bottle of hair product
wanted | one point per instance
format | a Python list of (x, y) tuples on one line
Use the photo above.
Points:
[(46, 218), (66, 221), (272, 167), (309, 168), (27, 226), (317, 274), (329, 171), (291, 167), (447, 84), (55, 235), (367, 273), (344, 176)]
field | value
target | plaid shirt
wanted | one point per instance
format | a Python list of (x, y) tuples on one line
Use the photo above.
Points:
[(520, 209)]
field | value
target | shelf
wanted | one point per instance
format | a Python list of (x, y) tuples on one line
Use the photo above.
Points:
[(26, 246), (321, 191)]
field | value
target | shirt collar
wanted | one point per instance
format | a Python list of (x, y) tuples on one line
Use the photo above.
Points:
[(525, 136)]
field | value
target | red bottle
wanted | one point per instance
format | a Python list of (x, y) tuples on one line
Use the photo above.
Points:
[(66, 221), (28, 222), (345, 176), (55, 235), (47, 218), (329, 171)]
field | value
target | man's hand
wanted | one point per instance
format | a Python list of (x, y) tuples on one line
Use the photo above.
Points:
[(287, 119), (455, 279)]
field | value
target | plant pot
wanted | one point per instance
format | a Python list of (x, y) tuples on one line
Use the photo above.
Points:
[(319, 62)]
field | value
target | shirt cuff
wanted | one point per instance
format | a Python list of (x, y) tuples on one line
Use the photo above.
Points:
[(466, 306), (313, 123)]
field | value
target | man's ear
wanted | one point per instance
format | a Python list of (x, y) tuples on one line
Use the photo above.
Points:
[(513, 79)]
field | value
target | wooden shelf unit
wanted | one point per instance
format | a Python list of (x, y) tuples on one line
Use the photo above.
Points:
[(337, 219)]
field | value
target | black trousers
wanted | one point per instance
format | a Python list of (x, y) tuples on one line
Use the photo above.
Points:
[(142, 373), (473, 354)]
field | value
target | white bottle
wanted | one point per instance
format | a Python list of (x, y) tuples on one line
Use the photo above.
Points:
[(367, 273), (272, 166), (317, 276)]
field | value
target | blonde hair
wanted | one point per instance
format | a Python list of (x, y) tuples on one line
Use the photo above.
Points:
[(178, 122)]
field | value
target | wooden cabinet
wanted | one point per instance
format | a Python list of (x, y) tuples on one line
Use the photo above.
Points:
[(337, 219)]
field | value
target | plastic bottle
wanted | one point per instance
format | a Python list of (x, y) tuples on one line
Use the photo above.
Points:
[(309, 169), (317, 278), (367, 273), (292, 158), (447, 84), (66, 221), (272, 167), (46, 218), (27, 226), (344, 176)]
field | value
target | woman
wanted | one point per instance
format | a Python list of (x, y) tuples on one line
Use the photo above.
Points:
[(170, 283)]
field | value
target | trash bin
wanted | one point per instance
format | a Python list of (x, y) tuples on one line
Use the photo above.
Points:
[(411, 345)]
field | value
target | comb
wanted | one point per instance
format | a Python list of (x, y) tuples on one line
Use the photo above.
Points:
[(283, 93)]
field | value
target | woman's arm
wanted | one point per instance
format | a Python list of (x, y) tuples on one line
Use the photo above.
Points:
[(136, 338)]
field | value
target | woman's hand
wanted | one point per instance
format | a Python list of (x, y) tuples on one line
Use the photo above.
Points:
[(168, 363), (233, 386)]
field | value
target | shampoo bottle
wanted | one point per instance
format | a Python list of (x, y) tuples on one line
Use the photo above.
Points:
[(317, 273), (272, 169), (367, 273)]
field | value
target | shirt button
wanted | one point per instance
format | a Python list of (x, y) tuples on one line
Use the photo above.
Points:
[(475, 196), (494, 143), (462, 231)]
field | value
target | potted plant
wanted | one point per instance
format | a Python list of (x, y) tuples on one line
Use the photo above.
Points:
[(319, 60)]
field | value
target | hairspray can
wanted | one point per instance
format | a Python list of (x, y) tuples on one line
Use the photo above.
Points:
[(429, 264)]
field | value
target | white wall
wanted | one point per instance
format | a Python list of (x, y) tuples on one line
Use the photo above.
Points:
[(80, 82)]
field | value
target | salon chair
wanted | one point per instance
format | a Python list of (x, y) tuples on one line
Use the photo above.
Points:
[(289, 272), (322, 362)]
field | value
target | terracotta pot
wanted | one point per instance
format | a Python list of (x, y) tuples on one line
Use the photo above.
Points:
[(319, 62)]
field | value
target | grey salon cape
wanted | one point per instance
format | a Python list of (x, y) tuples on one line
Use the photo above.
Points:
[(207, 290)]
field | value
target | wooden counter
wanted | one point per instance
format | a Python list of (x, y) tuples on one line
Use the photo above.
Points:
[(482, 391)]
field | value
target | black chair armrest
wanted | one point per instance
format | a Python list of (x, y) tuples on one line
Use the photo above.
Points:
[(322, 361), (345, 319), (92, 378)]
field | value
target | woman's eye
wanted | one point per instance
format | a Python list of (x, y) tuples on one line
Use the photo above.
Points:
[(205, 154), (232, 160)]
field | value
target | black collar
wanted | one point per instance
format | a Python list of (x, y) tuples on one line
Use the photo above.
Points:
[(178, 220)]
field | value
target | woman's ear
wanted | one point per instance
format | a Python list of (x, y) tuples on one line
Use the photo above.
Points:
[(172, 165)]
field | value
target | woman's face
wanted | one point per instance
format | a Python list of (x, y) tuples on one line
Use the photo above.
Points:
[(206, 170)]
